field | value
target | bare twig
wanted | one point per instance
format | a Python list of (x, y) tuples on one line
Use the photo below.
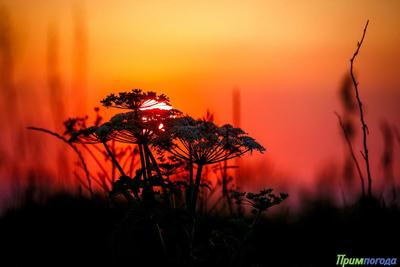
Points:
[(97, 162), (114, 160), (362, 119), (89, 182), (351, 151)]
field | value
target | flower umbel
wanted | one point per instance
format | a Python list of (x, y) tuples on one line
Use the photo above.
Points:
[(135, 100), (204, 142)]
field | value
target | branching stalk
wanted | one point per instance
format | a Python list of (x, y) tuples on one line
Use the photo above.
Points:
[(362, 119)]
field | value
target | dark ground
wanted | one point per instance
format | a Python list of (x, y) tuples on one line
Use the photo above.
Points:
[(67, 230)]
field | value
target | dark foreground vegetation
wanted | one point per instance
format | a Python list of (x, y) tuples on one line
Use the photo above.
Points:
[(68, 230)]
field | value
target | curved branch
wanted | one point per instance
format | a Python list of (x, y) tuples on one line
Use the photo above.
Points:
[(85, 168)]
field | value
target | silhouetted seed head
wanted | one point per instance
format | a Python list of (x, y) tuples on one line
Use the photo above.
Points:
[(142, 126), (93, 134), (135, 100), (73, 125), (205, 141), (258, 201), (150, 113)]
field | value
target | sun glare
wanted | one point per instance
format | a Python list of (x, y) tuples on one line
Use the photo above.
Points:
[(153, 104)]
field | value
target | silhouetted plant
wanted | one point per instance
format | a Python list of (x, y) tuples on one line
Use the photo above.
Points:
[(259, 202), (202, 142), (180, 142), (347, 125), (364, 126), (150, 112)]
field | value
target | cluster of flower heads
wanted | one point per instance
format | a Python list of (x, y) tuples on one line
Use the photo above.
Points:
[(151, 120), (203, 142), (135, 100), (148, 114)]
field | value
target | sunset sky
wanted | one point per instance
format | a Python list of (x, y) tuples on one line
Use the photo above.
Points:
[(288, 59)]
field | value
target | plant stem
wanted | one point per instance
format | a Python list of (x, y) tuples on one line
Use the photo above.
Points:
[(154, 162), (113, 163), (121, 171), (148, 164), (256, 218), (147, 192), (141, 154), (225, 192), (197, 186), (114, 159), (132, 163), (190, 191), (360, 106), (351, 151), (158, 171), (97, 162)]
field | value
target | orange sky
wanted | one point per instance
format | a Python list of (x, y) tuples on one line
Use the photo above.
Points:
[(287, 57)]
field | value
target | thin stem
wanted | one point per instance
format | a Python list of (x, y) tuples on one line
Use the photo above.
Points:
[(114, 159), (351, 151), (255, 220), (190, 175), (142, 162), (362, 119), (80, 156), (176, 153), (132, 162), (197, 186), (230, 156), (112, 162), (147, 192), (225, 186), (97, 161), (154, 162), (158, 171), (148, 164), (182, 151)]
